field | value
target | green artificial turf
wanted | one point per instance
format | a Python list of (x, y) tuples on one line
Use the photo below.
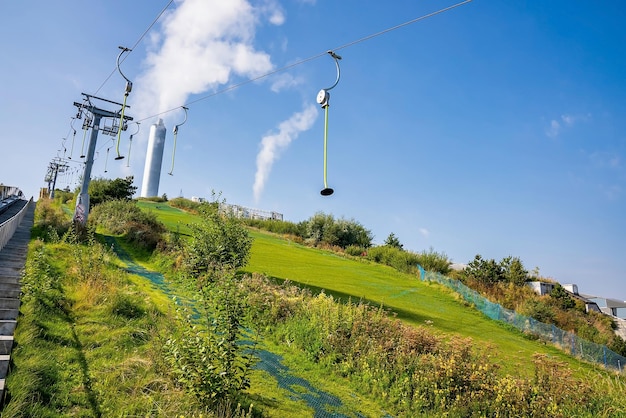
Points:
[(413, 301)]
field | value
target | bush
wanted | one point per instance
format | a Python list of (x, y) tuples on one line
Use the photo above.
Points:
[(216, 243), (102, 190), (50, 222), (125, 218), (490, 272), (433, 261), (277, 227), (397, 258), (539, 310), (185, 204), (412, 371), (355, 250), (323, 229)]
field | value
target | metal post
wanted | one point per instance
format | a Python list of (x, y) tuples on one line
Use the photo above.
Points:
[(54, 180), (82, 203)]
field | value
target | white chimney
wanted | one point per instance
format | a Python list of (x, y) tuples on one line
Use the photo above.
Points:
[(154, 160)]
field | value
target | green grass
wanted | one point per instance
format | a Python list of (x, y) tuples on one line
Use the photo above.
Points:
[(176, 220), (83, 342), (413, 301)]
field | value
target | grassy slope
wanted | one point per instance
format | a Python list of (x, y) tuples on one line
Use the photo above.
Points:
[(413, 301)]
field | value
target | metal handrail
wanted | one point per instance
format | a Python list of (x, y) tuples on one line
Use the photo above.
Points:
[(8, 228)]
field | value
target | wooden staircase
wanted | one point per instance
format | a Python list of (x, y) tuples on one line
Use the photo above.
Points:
[(12, 262)]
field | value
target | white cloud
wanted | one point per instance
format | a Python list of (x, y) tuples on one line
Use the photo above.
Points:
[(202, 44), (275, 12), (272, 144), (606, 160), (556, 126), (568, 119), (425, 232), (284, 81), (554, 129), (612, 192)]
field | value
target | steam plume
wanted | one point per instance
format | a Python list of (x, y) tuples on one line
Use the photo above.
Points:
[(273, 144), (201, 45)]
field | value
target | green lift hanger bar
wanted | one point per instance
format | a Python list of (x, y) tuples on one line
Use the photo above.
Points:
[(323, 98)]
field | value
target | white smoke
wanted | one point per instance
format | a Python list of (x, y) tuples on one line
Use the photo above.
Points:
[(202, 44), (273, 144)]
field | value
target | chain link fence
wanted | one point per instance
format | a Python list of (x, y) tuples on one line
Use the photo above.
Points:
[(567, 341)]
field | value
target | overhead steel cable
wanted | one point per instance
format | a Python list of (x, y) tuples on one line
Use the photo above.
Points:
[(314, 57), (121, 60), (143, 35)]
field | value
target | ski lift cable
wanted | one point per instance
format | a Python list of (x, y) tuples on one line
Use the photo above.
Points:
[(156, 19), (314, 57)]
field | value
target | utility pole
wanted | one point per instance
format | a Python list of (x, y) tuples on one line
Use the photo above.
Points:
[(112, 125), (56, 166)]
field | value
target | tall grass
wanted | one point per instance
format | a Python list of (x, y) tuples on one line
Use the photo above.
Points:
[(85, 342), (415, 372)]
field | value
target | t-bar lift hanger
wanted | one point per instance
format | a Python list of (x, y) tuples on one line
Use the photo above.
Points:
[(323, 98), (130, 143), (171, 173), (127, 90)]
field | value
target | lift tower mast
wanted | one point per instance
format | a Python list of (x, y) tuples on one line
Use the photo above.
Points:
[(112, 128)]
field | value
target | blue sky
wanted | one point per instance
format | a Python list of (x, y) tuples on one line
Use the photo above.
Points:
[(496, 128)]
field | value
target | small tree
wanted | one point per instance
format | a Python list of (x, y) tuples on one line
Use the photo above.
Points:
[(562, 298), (102, 190), (218, 243), (514, 271), (324, 229), (351, 233), (488, 272), (209, 360), (393, 241)]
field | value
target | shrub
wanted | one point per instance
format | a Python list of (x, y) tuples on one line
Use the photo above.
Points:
[(277, 226), (125, 218), (491, 272), (209, 362), (102, 190), (323, 229), (355, 250), (216, 243), (412, 371), (539, 310), (399, 259), (433, 261), (50, 221), (185, 204)]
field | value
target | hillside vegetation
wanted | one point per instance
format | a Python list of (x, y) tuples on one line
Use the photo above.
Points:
[(101, 341)]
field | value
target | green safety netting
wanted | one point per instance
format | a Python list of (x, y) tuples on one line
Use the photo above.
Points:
[(567, 341)]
